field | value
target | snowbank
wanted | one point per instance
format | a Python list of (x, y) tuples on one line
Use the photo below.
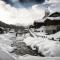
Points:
[(45, 46), (56, 36), (6, 48), (5, 40), (5, 43)]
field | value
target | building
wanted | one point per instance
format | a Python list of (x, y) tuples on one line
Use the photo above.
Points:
[(51, 23)]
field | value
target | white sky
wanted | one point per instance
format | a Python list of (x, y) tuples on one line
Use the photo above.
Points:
[(24, 16)]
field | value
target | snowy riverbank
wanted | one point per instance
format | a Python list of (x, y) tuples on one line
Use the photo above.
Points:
[(46, 46)]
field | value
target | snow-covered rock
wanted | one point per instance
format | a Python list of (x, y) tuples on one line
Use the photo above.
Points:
[(45, 46)]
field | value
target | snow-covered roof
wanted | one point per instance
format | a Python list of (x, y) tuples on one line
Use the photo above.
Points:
[(54, 14), (53, 18)]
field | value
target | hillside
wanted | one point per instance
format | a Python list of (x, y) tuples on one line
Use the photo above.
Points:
[(4, 25)]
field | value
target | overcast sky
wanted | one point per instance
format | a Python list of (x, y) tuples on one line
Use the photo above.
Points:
[(22, 11)]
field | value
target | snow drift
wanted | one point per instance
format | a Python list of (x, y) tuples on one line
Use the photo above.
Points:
[(45, 46)]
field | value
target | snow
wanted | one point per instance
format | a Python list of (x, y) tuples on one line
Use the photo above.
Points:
[(45, 45), (53, 18), (52, 1), (55, 7), (5, 40), (5, 43), (28, 57), (6, 48), (55, 36)]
